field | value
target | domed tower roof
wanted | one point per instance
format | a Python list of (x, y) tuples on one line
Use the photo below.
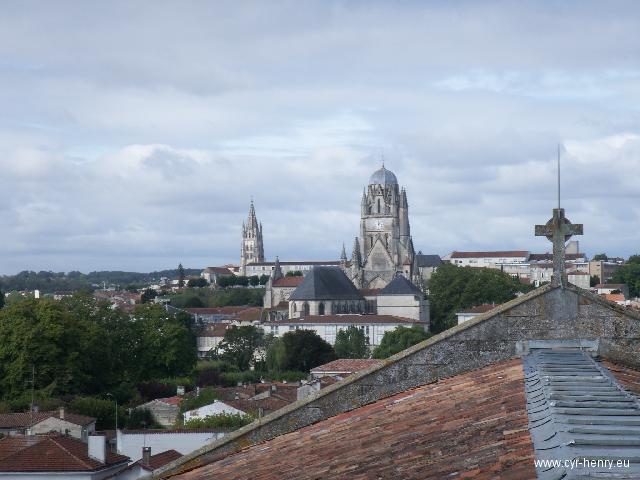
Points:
[(383, 177)]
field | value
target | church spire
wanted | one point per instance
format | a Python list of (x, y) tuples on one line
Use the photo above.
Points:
[(356, 258), (252, 249), (277, 270)]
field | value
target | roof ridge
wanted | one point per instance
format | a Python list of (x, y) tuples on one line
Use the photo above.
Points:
[(83, 462)]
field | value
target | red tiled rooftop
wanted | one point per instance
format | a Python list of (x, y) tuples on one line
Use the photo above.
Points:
[(347, 365), (50, 454), (214, 330), (26, 419), (288, 281), (628, 377), (613, 297), (470, 426), (160, 459), (248, 315)]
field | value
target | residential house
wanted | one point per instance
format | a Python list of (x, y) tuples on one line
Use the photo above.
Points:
[(403, 299), (607, 288), (36, 423), (209, 337), (213, 274), (164, 410), (148, 464), (215, 408), (35, 457)]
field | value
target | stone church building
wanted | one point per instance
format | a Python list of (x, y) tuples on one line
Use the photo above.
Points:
[(384, 248)]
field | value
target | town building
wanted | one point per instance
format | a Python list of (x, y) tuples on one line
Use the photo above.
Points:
[(427, 264), (37, 423), (470, 313), (213, 274), (279, 288), (327, 326), (403, 299), (148, 464), (209, 337), (604, 269), (216, 408), (35, 457), (293, 266), (608, 288), (164, 410), (384, 247)]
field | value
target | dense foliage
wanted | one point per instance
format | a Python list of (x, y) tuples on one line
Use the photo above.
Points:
[(629, 273), (352, 343), (206, 297), (222, 420), (49, 282), (240, 344), (79, 346), (299, 350), (454, 288), (399, 339)]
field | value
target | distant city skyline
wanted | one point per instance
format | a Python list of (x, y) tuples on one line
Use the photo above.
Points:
[(133, 135)]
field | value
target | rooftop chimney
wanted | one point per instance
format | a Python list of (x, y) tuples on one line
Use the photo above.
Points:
[(146, 455), (98, 448), (61, 414), (180, 390)]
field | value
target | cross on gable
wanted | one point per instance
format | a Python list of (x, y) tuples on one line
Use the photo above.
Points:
[(558, 230)]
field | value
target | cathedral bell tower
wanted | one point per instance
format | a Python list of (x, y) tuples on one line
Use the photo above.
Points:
[(252, 249), (384, 248)]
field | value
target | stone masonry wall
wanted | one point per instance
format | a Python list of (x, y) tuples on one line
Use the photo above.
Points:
[(548, 313)]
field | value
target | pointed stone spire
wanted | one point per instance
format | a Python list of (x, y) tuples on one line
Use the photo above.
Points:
[(276, 273), (343, 255), (356, 257)]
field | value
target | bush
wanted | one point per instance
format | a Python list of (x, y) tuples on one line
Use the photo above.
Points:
[(231, 379), (141, 418), (222, 420), (104, 411)]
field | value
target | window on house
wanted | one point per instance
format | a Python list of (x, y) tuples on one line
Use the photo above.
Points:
[(321, 309)]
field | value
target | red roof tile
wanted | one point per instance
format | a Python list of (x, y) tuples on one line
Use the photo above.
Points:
[(613, 297), (628, 377), (288, 281), (50, 454), (27, 419), (248, 315), (159, 460), (470, 426), (347, 365)]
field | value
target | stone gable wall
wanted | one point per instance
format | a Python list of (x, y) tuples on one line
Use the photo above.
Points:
[(548, 313)]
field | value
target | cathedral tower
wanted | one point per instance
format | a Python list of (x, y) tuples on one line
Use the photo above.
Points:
[(384, 248), (252, 249)]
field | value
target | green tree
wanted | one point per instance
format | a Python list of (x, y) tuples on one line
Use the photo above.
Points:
[(1, 299), (221, 420), (399, 339), (351, 343), (294, 273), (299, 350), (197, 283), (148, 295), (240, 344), (629, 273), (193, 302), (181, 276), (264, 279), (104, 411), (453, 288), (254, 280), (594, 280), (141, 418), (601, 256)]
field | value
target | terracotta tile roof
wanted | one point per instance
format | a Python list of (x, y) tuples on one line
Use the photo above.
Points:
[(288, 281), (159, 460), (347, 319), (218, 270), (214, 330), (369, 292), (614, 286), (485, 307), (469, 426), (50, 454), (613, 297), (506, 254), (347, 365), (628, 377), (26, 419), (216, 310), (248, 315), (175, 400)]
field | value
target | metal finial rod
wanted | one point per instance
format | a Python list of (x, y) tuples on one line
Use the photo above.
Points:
[(558, 176)]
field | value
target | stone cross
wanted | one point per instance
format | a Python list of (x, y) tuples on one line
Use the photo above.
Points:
[(558, 230)]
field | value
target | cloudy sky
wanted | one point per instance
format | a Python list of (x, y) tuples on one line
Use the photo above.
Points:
[(133, 134)]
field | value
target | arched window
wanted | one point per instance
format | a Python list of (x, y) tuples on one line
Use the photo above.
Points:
[(321, 309), (305, 309), (378, 205)]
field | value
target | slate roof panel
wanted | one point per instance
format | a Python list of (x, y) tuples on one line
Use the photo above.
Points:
[(326, 283), (400, 286), (427, 261)]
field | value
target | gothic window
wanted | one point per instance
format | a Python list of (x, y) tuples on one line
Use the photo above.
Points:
[(378, 205), (305, 309), (321, 309), (294, 307)]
